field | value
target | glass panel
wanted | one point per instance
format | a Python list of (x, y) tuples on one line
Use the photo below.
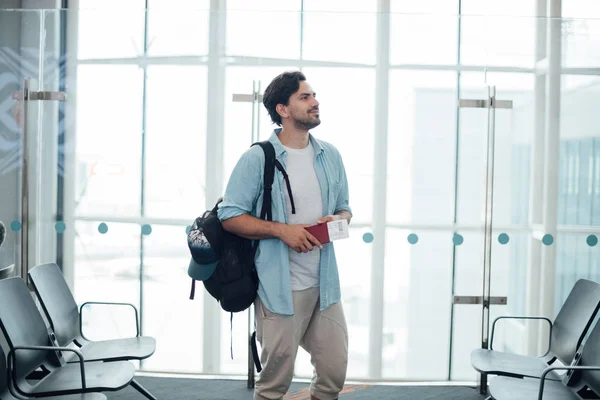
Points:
[(412, 336), (439, 7), (579, 184), (466, 334), (249, 26), (170, 316), (47, 151), (512, 147), (330, 34), (575, 259), (580, 41), (512, 8), (175, 141), (109, 149), (178, 27), (22, 55), (510, 255), (421, 149), (108, 269), (510, 263), (485, 39), (580, 9), (125, 38), (412, 19)]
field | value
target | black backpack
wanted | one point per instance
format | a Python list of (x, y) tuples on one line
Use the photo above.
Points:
[(234, 282)]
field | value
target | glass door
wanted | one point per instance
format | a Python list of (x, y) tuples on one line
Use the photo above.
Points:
[(29, 140), (490, 266)]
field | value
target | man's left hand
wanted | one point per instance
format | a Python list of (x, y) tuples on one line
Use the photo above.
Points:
[(329, 218), (337, 216)]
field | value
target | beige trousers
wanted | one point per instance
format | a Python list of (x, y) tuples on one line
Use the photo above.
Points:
[(323, 334)]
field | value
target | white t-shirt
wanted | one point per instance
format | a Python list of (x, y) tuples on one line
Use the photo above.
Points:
[(300, 167)]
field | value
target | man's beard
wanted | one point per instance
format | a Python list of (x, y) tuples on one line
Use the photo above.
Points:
[(306, 124)]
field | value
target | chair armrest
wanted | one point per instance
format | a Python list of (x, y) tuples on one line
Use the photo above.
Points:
[(566, 368), (521, 317), (10, 360), (137, 322)]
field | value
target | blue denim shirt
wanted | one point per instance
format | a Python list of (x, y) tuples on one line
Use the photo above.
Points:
[(244, 194)]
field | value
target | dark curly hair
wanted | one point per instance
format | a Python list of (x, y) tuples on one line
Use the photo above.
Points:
[(279, 91)]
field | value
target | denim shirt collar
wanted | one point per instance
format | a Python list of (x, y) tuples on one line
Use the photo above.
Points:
[(279, 149)]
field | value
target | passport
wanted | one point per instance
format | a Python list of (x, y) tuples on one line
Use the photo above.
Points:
[(330, 231)]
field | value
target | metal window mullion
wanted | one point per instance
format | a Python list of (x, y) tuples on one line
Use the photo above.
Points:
[(536, 183), (211, 343), (377, 305), (551, 164)]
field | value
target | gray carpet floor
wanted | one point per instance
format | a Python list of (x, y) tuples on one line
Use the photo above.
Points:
[(203, 389)]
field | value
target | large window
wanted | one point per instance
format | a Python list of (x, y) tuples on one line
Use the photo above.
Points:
[(154, 102)]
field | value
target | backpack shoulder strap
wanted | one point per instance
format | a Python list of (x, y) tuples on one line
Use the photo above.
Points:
[(269, 176), (270, 163)]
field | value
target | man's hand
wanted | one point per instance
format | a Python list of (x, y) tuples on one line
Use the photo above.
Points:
[(298, 238), (329, 218), (339, 215)]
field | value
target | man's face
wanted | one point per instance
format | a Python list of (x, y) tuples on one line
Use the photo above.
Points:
[(303, 107)]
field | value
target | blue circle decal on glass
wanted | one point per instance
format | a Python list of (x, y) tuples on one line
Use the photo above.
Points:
[(188, 229), (457, 239), (548, 239), (503, 238), (15, 226), (146, 229), (60, 227), (103, 228), (368, 237), (592, 240), (413, 238)]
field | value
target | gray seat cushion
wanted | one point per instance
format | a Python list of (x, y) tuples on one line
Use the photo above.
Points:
[(507, 364)]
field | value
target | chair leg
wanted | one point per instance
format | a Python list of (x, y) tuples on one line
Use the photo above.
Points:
[(142, 390)]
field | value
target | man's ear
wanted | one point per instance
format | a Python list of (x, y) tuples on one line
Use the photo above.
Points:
[(282, 110)]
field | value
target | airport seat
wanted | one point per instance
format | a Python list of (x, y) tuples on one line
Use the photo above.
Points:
[(31, 348), (566, 335), (582, 382), (6, 395), (65, 318)]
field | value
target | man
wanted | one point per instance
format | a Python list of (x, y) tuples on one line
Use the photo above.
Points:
[(298, 301)]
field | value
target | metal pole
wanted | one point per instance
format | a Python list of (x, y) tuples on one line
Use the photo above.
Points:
[(24, 261), (253, 135), (488, 214)]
